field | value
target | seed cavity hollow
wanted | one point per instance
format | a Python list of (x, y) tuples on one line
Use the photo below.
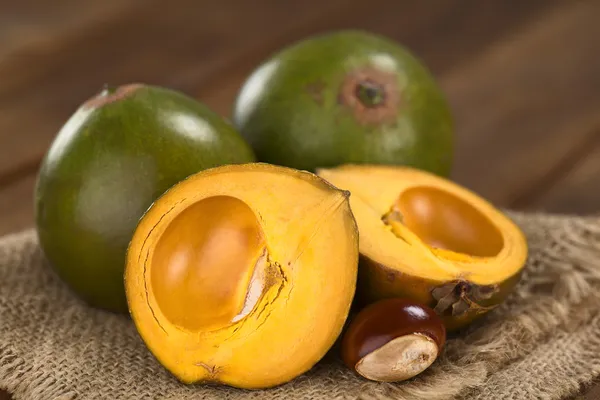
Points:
[(444, 221), (209, 266)]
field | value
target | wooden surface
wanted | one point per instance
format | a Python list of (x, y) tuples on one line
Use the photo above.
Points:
[(523, 78)]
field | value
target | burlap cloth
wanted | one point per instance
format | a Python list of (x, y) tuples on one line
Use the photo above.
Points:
[(543, 343)]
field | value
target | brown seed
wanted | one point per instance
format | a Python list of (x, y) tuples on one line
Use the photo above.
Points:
[(393, 340)]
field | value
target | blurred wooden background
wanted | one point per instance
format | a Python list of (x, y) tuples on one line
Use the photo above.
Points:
[(523, 78)]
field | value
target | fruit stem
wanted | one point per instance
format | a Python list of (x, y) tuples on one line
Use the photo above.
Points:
[(107, 89), (369, 93)]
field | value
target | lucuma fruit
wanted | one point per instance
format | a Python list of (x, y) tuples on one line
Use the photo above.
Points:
[(428, 239), (243, 275), (118, 152), (346, 97)]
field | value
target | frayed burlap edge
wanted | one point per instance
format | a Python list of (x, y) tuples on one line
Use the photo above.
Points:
[(542, 343)]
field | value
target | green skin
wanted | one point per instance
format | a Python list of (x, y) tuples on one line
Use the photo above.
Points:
[(117, 154), (296, 109)]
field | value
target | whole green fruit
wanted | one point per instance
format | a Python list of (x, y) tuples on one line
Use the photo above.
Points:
[(346, 97), (117, 154)]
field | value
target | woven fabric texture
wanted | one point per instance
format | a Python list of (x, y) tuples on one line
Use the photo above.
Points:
[(542, 343)]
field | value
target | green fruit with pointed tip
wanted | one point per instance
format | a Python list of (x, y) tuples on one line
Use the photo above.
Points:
[(119, 152), (346, 97)]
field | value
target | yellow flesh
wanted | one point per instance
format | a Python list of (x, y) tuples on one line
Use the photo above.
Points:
[(430, 227), (445, 221), (308, 231), (203, 263)]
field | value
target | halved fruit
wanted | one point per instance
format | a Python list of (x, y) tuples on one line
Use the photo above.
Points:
[(243, 275), (431, 240)]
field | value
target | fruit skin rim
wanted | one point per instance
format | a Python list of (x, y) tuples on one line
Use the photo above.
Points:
[(420, 289)]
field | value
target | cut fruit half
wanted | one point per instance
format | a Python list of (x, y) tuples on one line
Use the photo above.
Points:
[(426, 238), (243, 275)]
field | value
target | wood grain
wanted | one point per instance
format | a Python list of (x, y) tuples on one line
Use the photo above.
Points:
[(31, 30), (527, 102), (578, 190), (144, 44), (16, 206), (442, 33), (220, 60), (77, 67)]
